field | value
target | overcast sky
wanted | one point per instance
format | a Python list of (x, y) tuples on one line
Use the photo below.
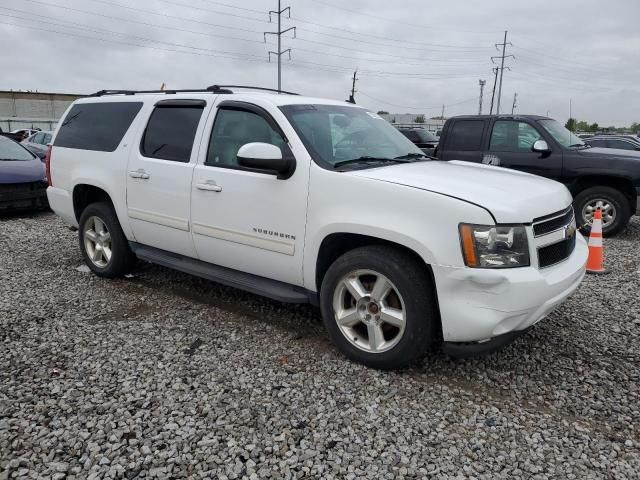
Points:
[(412, 55)]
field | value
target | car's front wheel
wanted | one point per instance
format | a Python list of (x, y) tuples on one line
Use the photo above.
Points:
[(379, 308), (103, 245), (613, 206)]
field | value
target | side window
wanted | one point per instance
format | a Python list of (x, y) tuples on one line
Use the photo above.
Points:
[(512, 136), (234, 128), (466, 135), (620, 144), (170, 132), (597, 143), (96, 126), (37, 138)]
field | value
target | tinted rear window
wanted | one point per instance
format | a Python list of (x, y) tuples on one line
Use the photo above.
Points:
[(170, 132), (96, 126), (466, 135)]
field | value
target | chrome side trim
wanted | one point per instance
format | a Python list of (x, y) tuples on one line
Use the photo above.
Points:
[(243, 238), (159, 218)]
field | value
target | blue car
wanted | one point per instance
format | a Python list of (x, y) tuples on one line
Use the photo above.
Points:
[(23, 183)]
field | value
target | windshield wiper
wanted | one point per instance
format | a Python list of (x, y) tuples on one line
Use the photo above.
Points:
[(576, 145), (368, 159), (413, 155)]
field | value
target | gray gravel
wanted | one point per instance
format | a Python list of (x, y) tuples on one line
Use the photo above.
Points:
[(163, 375)]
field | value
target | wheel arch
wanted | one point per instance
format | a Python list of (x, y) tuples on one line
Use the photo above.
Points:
[(337, 244), (85, 194), (621, 184)]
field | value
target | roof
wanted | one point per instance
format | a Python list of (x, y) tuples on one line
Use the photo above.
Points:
[(273, 98), (504, 116)]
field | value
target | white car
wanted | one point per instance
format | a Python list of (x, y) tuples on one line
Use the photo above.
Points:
[(310, 200)]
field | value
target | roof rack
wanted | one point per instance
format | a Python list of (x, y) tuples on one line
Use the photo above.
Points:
[(218, 89)]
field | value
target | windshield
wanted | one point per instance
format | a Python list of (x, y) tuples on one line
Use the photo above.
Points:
[(335, 134), (561, 135), (10, 150)]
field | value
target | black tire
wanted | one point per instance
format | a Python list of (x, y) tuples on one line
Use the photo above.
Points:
[(122, 258), (615, 197), (416, 289)]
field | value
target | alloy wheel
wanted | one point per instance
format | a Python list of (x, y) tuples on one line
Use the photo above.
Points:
[(97, 242), (607, 209), (369, 311)]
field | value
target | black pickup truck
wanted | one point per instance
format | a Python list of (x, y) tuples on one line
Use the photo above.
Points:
[(597, 177)]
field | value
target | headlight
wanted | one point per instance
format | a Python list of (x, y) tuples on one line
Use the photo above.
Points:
[(485, 246)]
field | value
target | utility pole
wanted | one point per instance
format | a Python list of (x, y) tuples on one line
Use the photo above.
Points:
[(442, 116), (570, 112), (482, 84), (352, 98), (502, 67), (493, 95), (513, 107), (279, 34)]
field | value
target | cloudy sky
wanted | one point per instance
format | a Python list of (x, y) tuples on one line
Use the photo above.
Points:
[(411, 55)]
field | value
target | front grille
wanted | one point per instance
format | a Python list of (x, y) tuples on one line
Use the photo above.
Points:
[(548, 226), (556, 252)]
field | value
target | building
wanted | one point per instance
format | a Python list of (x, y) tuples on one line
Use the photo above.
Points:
[(32, 109)]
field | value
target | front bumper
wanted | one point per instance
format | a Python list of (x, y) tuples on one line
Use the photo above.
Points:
[(478, 305), (23, 195)]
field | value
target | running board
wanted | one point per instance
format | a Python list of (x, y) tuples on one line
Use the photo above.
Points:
[(266, 287)]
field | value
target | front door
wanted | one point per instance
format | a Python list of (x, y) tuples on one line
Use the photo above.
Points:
[(243, 219), (159, 176), (510, 146)]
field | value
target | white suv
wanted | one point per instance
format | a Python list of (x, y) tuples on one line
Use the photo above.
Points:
[(309, 200)]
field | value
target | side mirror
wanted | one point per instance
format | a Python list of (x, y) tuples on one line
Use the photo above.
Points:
[(267, 157), (540, 146)]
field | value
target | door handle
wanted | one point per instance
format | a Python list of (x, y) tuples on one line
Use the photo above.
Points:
[(209, 185), (140, 173)]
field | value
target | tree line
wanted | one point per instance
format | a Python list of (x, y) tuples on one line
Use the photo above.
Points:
[(582, 126)]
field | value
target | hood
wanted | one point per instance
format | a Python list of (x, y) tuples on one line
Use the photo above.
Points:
[(20, 171), (510, 196), (610, 153)]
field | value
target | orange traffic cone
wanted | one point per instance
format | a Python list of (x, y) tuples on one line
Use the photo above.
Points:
[(595, 262)]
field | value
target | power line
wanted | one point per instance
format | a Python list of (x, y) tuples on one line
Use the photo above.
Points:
[(201, 51), (189, 5), (279, 34), (210, 24), (339, 29), (418, 108), (421, 26)]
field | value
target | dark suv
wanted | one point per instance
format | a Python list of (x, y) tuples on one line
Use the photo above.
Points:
[(421, 137), (597, 177)]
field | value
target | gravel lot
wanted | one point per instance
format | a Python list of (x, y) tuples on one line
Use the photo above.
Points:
[(164, 375)]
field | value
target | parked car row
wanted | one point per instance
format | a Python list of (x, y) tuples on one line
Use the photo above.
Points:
[(37, 143)]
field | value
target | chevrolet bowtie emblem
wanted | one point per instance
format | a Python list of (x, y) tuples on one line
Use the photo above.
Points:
[(569, 231)]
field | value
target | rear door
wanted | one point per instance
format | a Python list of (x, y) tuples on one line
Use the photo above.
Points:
[(159, 175), (510, 145), (463, 140)]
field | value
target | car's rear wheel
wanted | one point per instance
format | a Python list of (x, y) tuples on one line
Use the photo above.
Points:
[(103, 245), (379, 308), (612, 203)]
